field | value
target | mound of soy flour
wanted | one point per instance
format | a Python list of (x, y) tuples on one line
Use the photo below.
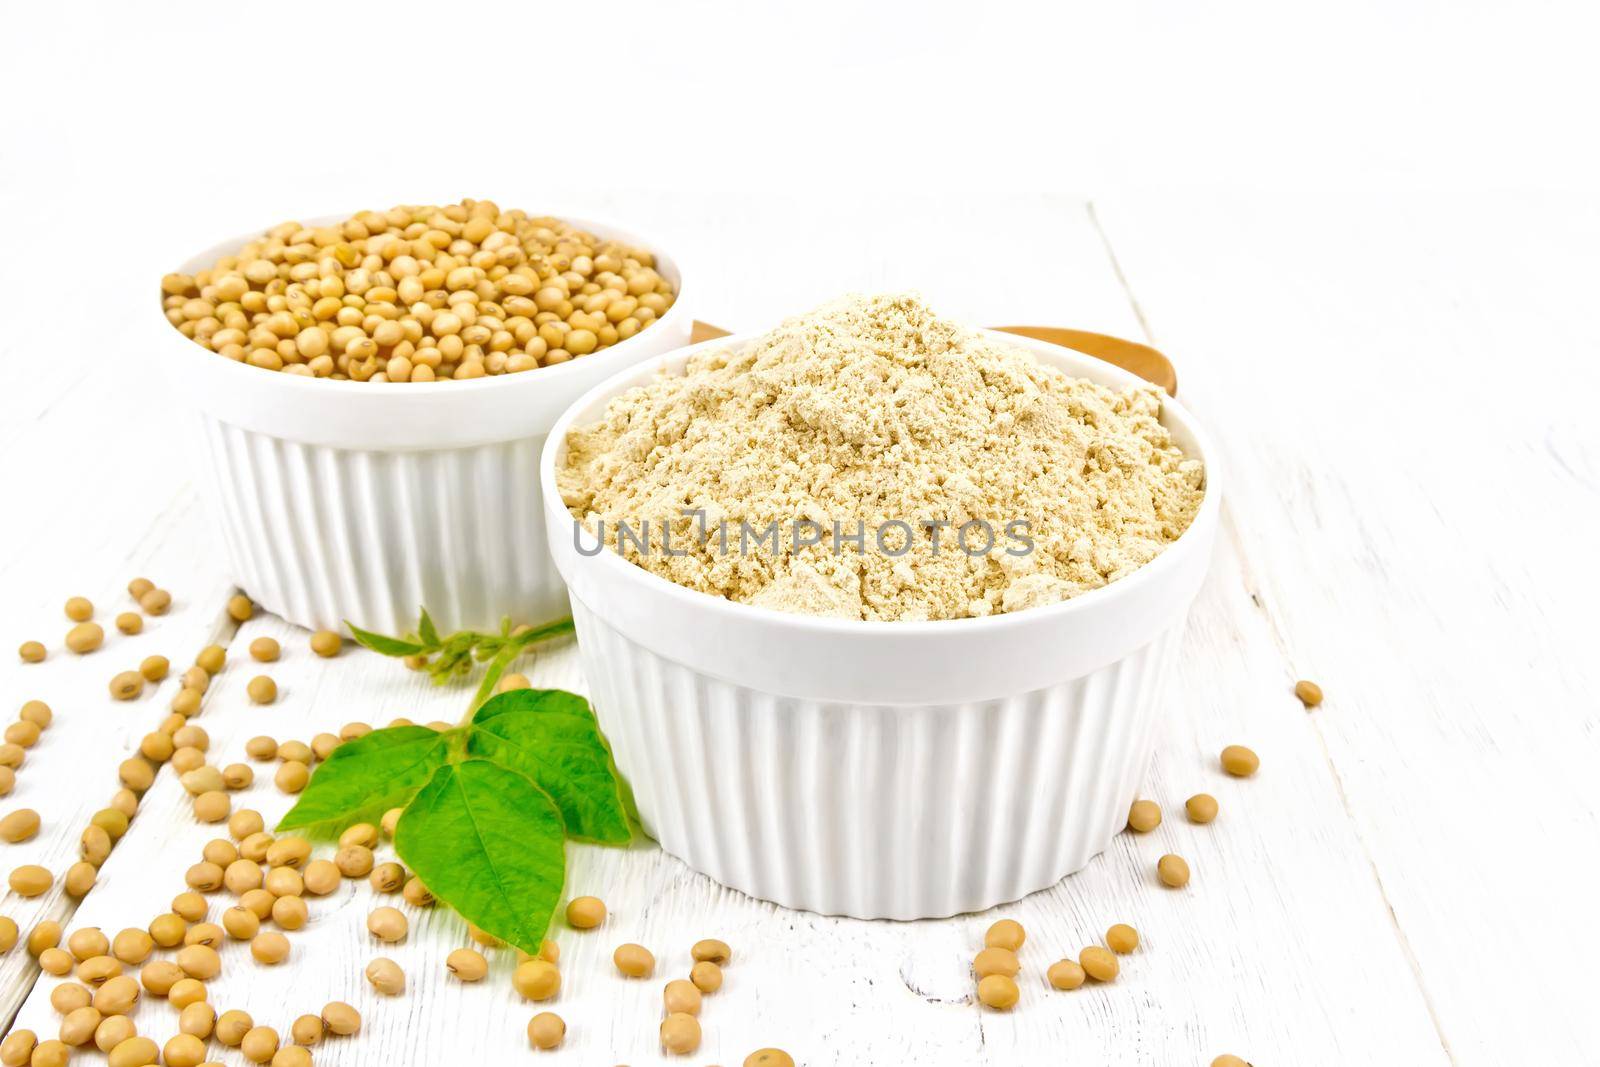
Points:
[(856, 461)]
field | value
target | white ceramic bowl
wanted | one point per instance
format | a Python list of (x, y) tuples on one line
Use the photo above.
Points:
[(356, 501), (881, 770)]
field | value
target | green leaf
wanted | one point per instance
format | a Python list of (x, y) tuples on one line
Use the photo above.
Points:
[(551, 736), (386, 646), (535, 634), (427, 630), (488, 842), (366, 777)]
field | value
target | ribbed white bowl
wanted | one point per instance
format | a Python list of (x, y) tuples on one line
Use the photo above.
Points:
[(879, 770), (355, 501)]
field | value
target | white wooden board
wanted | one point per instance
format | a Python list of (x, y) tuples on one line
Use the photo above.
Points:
[(1340, 911)]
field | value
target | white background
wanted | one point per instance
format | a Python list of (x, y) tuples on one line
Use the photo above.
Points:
[(1368, 235)]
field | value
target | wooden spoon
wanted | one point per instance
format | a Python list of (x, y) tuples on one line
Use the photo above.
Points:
[(1131, 356)]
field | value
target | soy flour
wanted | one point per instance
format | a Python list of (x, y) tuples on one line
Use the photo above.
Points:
[(886, 445)]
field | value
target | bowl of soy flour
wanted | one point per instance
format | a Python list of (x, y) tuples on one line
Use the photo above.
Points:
[(877, 607)]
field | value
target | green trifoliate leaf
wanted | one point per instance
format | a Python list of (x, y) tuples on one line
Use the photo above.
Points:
[(367, 776), (488, 842), (551, 737), (427, 630), (385, 646)]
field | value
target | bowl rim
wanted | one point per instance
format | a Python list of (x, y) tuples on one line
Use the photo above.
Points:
[(1159, 569), (189, 350)]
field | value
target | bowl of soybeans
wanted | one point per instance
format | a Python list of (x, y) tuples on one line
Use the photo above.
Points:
[(372, 390)]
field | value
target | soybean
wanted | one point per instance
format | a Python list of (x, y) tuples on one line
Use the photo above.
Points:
[(264, 650), (69, 997), (262, 690), (20, 825), (306, 1030), (585, 913), (1065, 974), (134, 1052), (232, 1026), (999, 992), (168, 930), (184, 1050), (321, 877), (17, 1048), (85, 637), (1144, 816), (46, 934), (1122, 939), (1240, 761), (127, 685), (769, 1057), (30, 880), (113, 1031), (289, 912), (635, 961), (87, 942), (536, 979), (199, 961), (1007, 934), (1173, 871), (996, 961), (1310, 693), (388, 878), (31, 652), (23, 733), (1201, 808), (467, 964), (546, 1030), (711, 950), (55, 1053), (354, 861), (706, 976), (241, 923), (270, 948), (259, 1044), (292, 776), (387, 924), (79, 1025), (186, 991), (386, 977), (326, 643), (340, 1018), (117, 995), (56, 961), (680, 1033), (1099, 963), (212, 806), (681, 995), (159, 976)]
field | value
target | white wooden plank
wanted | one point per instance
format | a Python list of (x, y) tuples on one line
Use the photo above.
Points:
[(1402, 389)]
